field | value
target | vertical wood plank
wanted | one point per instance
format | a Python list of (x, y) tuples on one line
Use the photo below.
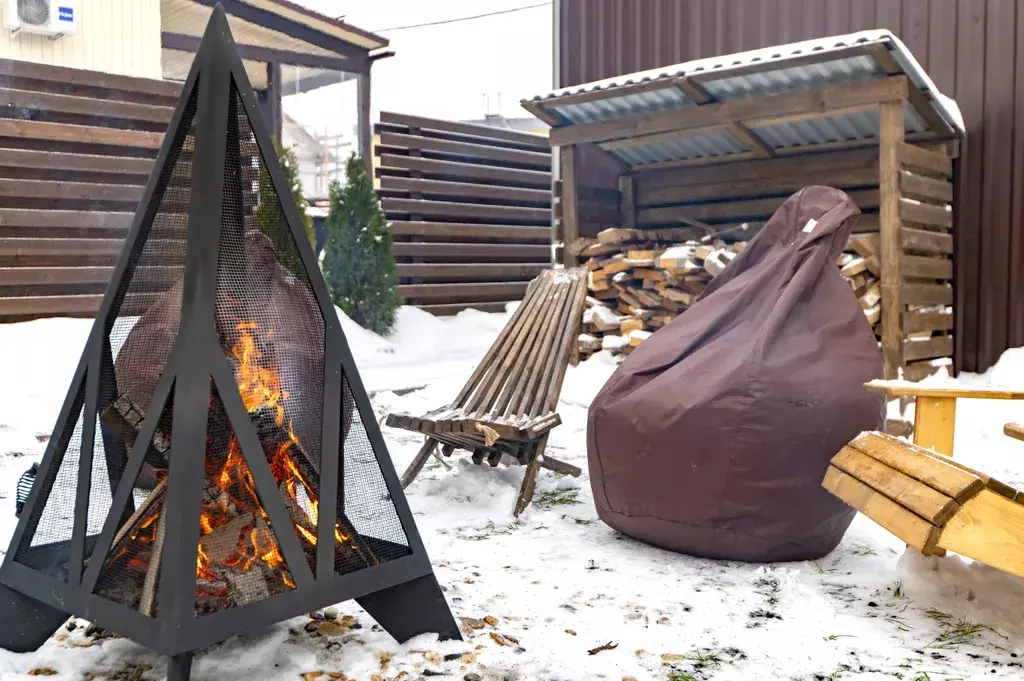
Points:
[(889, 14), (770, 28), (890, 137), (969, 94), (837, 17), (942, 50), (997, 193), (1016, 250), (915, 29), (694, 28), (862, 15), (570, 205)]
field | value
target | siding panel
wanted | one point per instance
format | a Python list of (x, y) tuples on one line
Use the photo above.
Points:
[(114, 36)]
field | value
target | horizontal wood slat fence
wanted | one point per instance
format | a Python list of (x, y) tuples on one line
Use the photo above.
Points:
[(470, 209), (76, 148)]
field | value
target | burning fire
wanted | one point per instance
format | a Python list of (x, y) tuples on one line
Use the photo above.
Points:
[(260, 388)]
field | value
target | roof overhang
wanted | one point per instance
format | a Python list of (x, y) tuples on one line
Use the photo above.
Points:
[(268, 31), (785, 100)]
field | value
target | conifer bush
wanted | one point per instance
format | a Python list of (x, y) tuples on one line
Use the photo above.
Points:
[(358, 265)]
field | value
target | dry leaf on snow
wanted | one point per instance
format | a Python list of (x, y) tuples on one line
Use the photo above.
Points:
[(606, 646)]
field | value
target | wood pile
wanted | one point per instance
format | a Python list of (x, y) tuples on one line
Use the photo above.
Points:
[(640, 280)]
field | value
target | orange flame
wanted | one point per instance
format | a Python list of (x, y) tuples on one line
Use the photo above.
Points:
[(260, 388)]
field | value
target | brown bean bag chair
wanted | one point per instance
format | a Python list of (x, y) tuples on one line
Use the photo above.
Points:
[(290, 336), (713, 436)]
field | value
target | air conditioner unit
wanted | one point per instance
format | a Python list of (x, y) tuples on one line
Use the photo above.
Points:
[(46, 17)]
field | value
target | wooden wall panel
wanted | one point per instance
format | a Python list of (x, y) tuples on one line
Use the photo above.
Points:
[(470, 209)]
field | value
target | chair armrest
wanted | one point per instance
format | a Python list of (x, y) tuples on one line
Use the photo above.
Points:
[(907, 389), (1014, 430)]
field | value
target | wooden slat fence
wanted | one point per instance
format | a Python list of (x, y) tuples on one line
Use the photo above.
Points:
[(76, 148), (470, 208)]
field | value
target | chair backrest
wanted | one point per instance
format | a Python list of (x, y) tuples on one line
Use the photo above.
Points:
[(521, 375)]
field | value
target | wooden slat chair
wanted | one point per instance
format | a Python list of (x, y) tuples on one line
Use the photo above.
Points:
[(930, 501), (508, 405), (935, 408)]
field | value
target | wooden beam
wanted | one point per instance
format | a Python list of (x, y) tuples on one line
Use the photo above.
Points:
[(450, 231), (925, 213), (917, 98), (85, 134), (693, 90), (627, 201), (539, 160), (925, 161), (538, 142), (538, 110), (925, 294), (923, 188), (363, 132), (84, 106), (570, 205), (813, 102), (670, 136), (751, 141), (276, 122), (392, 163), (464, 189), (926, 240), (189, 43), (917, 320), (295, 29), (769, 169), (890, 138)]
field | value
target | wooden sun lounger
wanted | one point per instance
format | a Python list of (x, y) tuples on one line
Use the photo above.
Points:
[(930, 501), (508, 405)]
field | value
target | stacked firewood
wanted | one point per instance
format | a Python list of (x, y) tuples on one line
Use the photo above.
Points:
[(861, 264), (640, 280)]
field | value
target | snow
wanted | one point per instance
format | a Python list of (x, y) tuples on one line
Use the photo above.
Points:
[(558, 582)]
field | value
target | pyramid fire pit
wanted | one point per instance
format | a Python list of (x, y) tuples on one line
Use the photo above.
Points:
[(216, 466)]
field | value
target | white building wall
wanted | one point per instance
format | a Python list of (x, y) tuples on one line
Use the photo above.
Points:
[(113, 36)]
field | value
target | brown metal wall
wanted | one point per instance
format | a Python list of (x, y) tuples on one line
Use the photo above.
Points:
[(972, 49)]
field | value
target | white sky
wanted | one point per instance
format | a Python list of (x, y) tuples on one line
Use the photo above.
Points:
[(443, 71)]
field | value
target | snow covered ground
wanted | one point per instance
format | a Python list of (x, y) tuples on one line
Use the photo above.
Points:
[(537, 594)]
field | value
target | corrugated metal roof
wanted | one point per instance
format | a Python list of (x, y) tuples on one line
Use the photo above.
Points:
[(728, 78)]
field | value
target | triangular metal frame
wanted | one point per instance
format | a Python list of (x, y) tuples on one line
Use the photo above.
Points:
[(402, 594)]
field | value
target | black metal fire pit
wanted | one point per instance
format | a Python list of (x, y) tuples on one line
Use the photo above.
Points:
[(216, 466)]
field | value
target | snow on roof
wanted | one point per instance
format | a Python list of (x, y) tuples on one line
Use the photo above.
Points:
[(786, 68)]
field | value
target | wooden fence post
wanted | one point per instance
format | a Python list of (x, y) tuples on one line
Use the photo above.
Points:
[(570, 205)]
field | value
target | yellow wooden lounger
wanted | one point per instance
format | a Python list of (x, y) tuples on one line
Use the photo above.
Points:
[(923, 496)]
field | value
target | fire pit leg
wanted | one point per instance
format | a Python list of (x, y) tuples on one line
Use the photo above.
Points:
[(180, 667), (411, 609)]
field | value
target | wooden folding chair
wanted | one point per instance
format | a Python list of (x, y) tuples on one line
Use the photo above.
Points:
[(508, 405)]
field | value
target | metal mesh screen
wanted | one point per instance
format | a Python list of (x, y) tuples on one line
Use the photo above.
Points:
[(141, 328), (46, 544), (363, 498), (270, 326), (131, 568)]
